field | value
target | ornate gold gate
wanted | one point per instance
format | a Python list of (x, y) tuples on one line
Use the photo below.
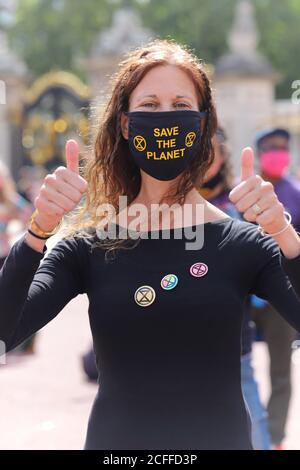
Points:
[(55, 110)]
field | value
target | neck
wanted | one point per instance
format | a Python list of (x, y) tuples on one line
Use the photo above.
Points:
[(152, 190)]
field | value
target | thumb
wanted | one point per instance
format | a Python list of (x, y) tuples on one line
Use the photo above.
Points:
[(72, 155), (247, 163)]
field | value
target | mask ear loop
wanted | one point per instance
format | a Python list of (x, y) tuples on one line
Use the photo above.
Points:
[(129, 123), (129, 134)]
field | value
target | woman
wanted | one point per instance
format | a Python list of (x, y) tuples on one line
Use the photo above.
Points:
[(169, 379)]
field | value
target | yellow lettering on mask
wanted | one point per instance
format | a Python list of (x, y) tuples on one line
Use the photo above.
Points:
[(167, 155), (162, 144), (165, 131)]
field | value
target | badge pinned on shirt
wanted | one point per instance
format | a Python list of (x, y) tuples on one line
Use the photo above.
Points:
[(144, 296), (169, 281), (198, 269)]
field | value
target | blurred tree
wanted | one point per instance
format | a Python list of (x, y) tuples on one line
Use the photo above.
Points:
[(278, 23), (54, 33), (51, 34), (204, 25)]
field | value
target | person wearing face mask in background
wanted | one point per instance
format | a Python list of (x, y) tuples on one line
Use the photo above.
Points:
[(274, 158), (218, 182), (273, 149)]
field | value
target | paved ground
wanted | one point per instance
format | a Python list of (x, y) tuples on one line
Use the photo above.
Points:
[(45, 400)]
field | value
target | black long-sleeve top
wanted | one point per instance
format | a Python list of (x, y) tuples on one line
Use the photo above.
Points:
[(169, 372)]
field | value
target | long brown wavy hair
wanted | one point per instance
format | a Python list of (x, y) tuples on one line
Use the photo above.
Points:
[(108, 166)]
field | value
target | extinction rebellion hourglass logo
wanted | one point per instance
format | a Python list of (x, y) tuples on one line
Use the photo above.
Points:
[(140, 143)]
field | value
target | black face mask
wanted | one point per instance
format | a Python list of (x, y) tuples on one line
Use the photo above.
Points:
[(215, 180), (163, 143)]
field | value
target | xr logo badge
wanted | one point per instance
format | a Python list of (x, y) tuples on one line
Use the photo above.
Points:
[(189, 139), (140, 143), (169, 281), (144, 296)]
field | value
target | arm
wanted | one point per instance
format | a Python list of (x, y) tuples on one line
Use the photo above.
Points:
[(289, 245), (278, 280), (34, 290), (292, 268), (32, 294)]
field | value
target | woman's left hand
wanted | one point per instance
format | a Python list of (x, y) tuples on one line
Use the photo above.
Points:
[(256, 198)]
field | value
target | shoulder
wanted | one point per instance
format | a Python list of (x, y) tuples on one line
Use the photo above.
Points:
[(69, 255), (73, 247), (245, 236)]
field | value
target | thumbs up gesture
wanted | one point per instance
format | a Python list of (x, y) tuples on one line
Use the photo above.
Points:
[(61, 190), (256, 198)]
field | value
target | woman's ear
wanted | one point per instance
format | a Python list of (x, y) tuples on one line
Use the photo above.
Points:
[(124, 125)]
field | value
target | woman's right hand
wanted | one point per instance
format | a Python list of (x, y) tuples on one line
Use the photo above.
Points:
[(61, 190)]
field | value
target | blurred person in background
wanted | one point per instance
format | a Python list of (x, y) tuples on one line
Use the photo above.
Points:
[(13, 206), (274, 158), (218, 182), (30, 180)]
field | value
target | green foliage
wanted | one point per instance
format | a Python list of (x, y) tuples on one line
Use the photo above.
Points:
[(278, 23), (204, 25), (54, 33)]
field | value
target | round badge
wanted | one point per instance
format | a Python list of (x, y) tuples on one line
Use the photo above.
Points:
[(189, 139), (144, 296), (140, 143), (169, 281), (198, 269)]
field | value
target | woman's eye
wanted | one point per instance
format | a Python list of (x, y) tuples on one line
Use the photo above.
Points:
[(149, 105), (181, 105)]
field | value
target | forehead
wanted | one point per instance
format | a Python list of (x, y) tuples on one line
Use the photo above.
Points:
[(168, 80)]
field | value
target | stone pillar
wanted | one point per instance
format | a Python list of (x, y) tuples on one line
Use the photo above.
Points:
[(244, 84), (126, 32)]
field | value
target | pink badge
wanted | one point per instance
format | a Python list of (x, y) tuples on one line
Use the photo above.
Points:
[(198, 269)]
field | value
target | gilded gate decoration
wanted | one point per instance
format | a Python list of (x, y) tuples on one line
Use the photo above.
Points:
[(55, 110)]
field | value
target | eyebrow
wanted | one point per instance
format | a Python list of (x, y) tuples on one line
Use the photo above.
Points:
[(155, 96)]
